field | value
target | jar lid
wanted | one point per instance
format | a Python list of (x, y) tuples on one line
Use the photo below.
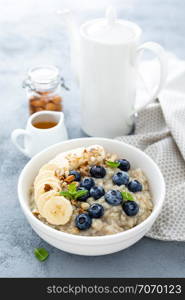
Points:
[(43, 77)]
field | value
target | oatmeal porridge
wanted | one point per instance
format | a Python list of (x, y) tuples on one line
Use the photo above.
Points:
[(90, 192)]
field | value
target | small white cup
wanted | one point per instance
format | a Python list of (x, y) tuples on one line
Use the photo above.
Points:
[(36, 139)]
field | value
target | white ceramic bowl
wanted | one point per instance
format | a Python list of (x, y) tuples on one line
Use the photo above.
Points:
[(99, 245)]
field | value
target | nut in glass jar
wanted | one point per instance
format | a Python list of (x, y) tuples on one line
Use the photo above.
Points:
[(43, 86)]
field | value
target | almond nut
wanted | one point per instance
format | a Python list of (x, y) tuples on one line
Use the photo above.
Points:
[(69, 179), (50, 106), (56, 100)]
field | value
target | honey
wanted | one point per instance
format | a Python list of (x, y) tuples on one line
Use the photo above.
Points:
[(44, 125)]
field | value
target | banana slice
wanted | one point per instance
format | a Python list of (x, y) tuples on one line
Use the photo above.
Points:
[(62, 163), (43, 175), (46, 186), (57, 210), (44, 198), (49, 167), (46, 179)]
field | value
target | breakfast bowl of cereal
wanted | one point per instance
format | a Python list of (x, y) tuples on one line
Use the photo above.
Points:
[(91, 196)]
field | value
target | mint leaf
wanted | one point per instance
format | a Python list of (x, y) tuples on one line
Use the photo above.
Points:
[(112, 164), (80, 193), (72, 192), (72, 188), (65, 194), (127, 196), (41, 254)]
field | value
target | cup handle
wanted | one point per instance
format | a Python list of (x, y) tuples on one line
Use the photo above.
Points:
[(14, 136), (161, 55)]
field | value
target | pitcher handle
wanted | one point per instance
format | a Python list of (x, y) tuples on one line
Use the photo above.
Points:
[(161, 55), (15, 135)]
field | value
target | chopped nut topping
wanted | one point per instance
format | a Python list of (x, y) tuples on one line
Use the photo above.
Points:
[(35, 213), (63, 184), (69, 179), (59, 175), (84, 171), (85, 205), (47, 187), (74, 202), (81, 210)]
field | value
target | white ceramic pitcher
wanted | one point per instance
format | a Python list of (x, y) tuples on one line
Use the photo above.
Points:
[(104, 54), (36, 139)]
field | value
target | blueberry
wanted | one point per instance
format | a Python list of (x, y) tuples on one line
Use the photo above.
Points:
[(120, 178), (114, 197), (76, 174), (96, 210), (87, 183), (131, 208), (98, 172), (135, 186), (83, 221), (97, 192), (84, 197), (124, 164)]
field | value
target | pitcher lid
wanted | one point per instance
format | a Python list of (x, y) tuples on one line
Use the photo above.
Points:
[(110, 29)]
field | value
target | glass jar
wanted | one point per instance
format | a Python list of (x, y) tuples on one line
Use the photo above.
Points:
[(43, 86)]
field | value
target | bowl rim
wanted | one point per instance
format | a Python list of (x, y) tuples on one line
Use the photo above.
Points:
[(77, 238)]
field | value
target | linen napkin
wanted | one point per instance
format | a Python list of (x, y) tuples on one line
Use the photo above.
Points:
[(160, 132)]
